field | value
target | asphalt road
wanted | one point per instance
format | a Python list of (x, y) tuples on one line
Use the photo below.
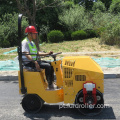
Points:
[(10, 108)]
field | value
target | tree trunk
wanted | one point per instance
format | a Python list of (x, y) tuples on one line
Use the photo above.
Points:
[(31, 13)]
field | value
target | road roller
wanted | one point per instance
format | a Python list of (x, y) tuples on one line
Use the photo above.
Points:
[(79, 81)]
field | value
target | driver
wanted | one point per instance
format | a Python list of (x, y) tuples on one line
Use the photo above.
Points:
[(29, 47)]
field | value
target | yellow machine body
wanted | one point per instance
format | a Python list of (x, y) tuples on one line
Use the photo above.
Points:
[(36, 83), (77, 71), (70, 79)]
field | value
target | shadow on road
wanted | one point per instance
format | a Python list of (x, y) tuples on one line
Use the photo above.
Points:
[(53, 111), (15, 81), (8, 78)]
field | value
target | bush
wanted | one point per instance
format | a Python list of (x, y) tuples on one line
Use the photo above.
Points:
[(67, 35), (9, 30), (99, 31), (111, 35), (55, 36), (91, 33), (79, 35)]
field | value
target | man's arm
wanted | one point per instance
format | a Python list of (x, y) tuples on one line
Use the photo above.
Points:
[(44, 54), (31, 59)]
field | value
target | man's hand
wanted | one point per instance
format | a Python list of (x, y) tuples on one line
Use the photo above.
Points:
[(51, 52), (37, 66), (44, 54)]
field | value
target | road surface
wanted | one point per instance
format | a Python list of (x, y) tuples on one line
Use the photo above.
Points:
[(10, 108)]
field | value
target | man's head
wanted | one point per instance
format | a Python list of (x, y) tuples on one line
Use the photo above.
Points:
[(31, 32)]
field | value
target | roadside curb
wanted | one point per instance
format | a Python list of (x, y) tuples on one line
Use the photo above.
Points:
[(8, 78), (110, 76), (15, 78)]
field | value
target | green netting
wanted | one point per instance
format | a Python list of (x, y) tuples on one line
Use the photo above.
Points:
[(10, 65), (108, 62), (15, 50)]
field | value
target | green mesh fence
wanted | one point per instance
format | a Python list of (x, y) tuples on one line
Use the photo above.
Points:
[(108, 62)]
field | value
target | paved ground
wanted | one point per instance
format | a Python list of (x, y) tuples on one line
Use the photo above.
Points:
[(10, 108)]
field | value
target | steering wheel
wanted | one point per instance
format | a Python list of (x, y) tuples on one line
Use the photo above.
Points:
[(53, 55)]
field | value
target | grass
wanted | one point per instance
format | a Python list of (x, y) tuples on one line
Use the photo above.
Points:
[(2, 50), (88, 45), (7, 57)]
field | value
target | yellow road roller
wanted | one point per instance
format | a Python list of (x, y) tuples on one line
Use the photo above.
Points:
[(79, 81)]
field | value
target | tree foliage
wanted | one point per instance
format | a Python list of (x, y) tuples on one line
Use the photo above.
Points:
[(107, 3), (115, 7), (111, 35), (29, 8), (7, 6), (88, 4), (75, 19), (9, 30), (64, 15), (99, 6)]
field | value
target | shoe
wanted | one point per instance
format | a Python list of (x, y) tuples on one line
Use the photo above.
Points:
[(51, 87), (54, 84)]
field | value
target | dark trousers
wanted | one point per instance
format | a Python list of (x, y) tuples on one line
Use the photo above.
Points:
[(49, 72)]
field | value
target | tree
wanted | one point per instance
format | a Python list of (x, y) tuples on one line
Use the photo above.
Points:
[(107, 3), (88, 4), (29, 8), (115, 7), (9, 29), (75, 19), (99, 6), (7, 6)]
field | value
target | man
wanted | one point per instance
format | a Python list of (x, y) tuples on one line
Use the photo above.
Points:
[(29, 47)]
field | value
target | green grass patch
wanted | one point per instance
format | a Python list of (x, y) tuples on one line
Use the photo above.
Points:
[(87, 45), (2, 50), (7, 57)]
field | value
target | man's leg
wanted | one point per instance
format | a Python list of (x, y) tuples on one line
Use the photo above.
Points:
[(47, 68), (52, 70)]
